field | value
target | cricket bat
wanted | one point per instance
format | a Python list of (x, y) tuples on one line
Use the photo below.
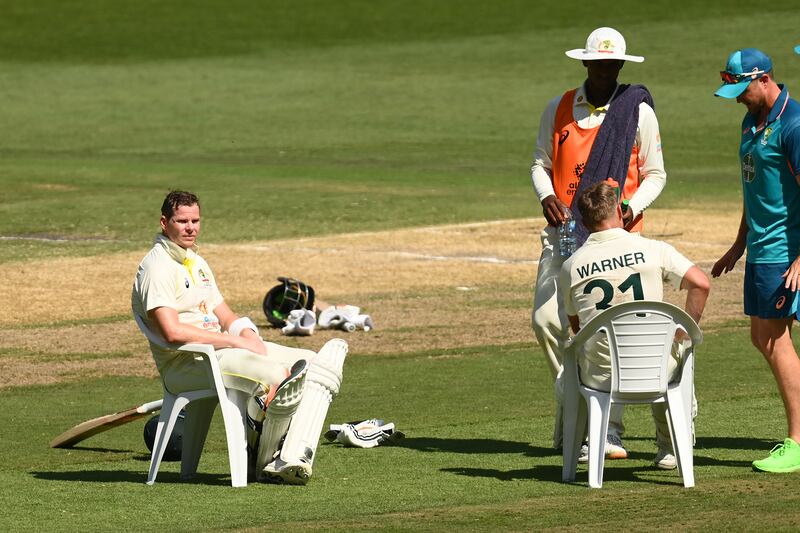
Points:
[(84, 430)]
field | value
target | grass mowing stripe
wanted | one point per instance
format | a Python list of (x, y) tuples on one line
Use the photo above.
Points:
[(477, 446)]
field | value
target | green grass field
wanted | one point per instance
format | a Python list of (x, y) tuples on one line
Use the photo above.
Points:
[(306, 118)]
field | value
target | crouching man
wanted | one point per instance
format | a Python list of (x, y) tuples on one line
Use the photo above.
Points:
[(176, 301), (612, 267)]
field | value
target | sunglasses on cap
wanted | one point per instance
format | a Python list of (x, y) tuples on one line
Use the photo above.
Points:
[(730, 77)]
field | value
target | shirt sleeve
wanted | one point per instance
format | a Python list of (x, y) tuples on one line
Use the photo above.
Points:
[(790, 140), (565, 289), (651, 161), (542, 167), (674, 265), (157, 288)]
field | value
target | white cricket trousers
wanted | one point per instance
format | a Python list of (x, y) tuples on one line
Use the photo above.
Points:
[(241, 369), (551, 327)]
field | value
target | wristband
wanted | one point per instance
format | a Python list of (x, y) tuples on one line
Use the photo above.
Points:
[(240, 324)]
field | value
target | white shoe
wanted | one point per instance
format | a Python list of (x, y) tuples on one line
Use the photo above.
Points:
[(279, 471), (665, 460), (614, 450), (583, 457)]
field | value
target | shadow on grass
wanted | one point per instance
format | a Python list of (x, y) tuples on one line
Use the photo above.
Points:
[(431, 444), (734, 443), (552, 473), (122, 476), (140, 457)]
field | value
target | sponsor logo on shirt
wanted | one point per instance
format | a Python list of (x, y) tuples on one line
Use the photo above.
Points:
[(578, 170), (780, 302), (748, 168), (186, 282), (563, 137)]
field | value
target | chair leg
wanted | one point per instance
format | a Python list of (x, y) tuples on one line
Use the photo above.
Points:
[(599, 405), (166, 422), (196, 424), (574, 424), (681, 436), (234, 410)]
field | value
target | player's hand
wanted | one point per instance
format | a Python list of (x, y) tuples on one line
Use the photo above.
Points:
[(792, 276), (726, 263), (553, 210), (627, 217), (250, 343)]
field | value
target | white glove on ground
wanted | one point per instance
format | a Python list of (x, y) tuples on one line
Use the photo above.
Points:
[(364, 434), (344, 317), (300, 322)]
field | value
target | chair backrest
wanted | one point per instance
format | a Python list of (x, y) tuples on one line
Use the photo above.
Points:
[(150, 334), (201, 351), (640, 336)]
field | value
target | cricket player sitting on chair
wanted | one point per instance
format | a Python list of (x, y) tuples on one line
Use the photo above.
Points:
[(612, 267), (176, 296)]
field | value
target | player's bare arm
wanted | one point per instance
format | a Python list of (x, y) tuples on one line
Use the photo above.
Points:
[(726, 263), (228, 319), (173, 331), (696, 283)]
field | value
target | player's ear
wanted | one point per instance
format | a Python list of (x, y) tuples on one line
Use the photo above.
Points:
[(163, 222)]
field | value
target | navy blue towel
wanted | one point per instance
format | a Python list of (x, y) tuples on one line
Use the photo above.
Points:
[(611, 151)]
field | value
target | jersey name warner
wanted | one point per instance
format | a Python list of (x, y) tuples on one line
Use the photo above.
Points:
[(604, 265)]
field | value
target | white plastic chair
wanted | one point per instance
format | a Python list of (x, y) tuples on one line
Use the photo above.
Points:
[(200, 405), (640, 337)]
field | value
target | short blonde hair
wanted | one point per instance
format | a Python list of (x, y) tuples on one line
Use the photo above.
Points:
[(598, 203)]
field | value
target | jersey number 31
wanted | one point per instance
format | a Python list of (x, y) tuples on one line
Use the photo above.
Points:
[(634, 282)]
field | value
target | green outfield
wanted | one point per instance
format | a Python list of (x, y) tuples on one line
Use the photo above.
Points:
[(317, 120)]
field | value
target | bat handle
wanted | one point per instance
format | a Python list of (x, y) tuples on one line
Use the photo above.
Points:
[(149, 407)]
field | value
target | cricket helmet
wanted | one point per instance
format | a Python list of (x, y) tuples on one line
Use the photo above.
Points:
[(175, 445), (282, 299)]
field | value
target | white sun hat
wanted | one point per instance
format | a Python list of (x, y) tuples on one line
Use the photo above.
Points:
[(603, 43)]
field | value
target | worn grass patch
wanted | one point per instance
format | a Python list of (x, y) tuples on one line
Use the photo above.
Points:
[(431, 288)]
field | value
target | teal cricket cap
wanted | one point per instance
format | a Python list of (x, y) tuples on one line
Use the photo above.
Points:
[(797, 49), (743, 66)]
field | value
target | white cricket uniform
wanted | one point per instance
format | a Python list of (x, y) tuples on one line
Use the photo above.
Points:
[(170, 276), (612, 267), (548, 319)]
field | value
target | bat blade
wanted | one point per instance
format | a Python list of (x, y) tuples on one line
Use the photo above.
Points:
[(84, 430)]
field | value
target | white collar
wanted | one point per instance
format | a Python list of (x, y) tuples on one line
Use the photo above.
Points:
[(176, 252), (607, 235)]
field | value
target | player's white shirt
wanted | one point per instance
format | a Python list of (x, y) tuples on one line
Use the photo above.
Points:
[(648, 140), (612, 267), (170, 276)]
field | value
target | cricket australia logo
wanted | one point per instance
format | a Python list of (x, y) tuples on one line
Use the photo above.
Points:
[(748, 168), (765, 137)]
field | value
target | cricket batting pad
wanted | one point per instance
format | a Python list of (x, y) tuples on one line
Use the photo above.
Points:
[(279, 414), (322, 385)]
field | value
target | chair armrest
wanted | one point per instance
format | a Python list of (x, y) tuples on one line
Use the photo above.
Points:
[(206, 349), (207, 353)]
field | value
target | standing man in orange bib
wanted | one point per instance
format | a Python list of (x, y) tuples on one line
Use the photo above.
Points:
[(597, 131)]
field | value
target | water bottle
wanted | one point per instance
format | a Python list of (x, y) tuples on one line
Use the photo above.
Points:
[(566, 235)]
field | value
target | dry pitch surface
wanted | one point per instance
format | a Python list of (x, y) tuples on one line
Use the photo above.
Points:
[(428, 288)]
